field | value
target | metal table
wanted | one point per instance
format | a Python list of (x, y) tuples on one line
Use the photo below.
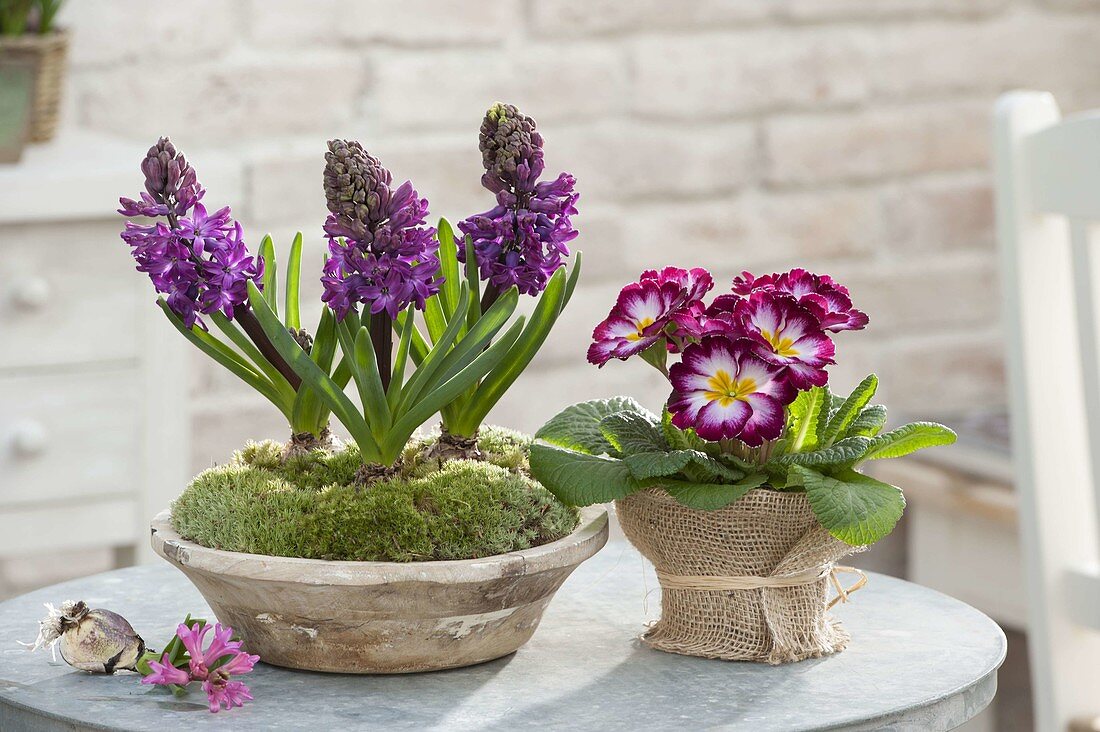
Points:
[(918, 660)]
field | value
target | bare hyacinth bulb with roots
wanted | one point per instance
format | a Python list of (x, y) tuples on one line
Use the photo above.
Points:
[(94, 640)]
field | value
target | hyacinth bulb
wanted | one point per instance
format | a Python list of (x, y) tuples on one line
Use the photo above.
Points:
[(95, 640)]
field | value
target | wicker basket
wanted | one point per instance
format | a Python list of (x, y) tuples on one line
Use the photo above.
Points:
[(767, 538), (48, 55)]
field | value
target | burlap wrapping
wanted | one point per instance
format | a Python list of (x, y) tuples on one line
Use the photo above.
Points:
[(765, 533)]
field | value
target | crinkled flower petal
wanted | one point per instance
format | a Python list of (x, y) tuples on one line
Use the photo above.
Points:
[(164, 673)]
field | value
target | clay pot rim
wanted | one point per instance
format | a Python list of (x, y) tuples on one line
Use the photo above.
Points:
[(587, 539)]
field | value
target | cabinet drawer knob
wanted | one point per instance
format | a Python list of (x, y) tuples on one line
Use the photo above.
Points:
[(33, 293), (29, 439)]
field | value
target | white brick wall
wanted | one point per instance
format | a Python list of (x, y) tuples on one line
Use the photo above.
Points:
[(846, 135)]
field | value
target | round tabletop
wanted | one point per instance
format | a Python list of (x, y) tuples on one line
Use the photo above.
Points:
[(917, 660)]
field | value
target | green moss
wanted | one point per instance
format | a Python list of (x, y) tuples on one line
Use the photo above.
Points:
[(308, 507)]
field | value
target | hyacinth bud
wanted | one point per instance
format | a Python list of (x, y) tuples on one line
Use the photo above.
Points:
[(357, 190), (169, 179), (302, 337), (511, 149)]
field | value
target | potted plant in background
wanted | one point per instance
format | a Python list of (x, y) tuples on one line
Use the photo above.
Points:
[(394, 552), (28, 34), (746, 491)]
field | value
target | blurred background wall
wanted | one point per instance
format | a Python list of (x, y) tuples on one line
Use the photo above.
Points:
[(847, 136)]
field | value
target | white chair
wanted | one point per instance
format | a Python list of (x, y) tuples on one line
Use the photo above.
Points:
[(1048, 202)]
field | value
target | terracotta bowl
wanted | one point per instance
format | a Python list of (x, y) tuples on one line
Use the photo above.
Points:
[(381, 617)]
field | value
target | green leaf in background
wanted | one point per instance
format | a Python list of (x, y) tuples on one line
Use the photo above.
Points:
[(645, 465), (578, 478), (909, 438), (849, 409), (848, 450), (869, 422), (712, 496), (633, 432), (805, 412), (854, 508), (578, 427)]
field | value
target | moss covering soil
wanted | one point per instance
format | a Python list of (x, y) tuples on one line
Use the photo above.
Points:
[(309, 506)]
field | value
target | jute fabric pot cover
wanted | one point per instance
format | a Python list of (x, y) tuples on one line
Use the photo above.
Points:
[(766, 534)]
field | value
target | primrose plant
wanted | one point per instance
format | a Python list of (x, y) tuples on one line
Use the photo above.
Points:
[(749, 408), (384, 265)]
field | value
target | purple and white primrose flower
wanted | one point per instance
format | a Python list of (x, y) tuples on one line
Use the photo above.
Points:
[(722, 389), (380, 252), (828, 300), (782, 331), (214, 666), (644, 309), (522, 240), (198, 259)]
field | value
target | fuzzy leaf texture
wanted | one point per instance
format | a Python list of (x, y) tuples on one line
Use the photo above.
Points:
[(578, 427), (854, 508), (909, 438), (869, 422), (645, 465), (843, 416), (712, 496), (633, 432), (804, 414), (580, 478), (846, 451)]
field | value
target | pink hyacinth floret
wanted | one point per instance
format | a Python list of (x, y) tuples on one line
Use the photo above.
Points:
[(214, 666)]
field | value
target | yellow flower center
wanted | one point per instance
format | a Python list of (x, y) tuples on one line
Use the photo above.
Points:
[(724, 389), (641, 325), (782, 346)]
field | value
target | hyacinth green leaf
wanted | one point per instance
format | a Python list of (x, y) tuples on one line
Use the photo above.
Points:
[(571, 283), (804, 415), (848, 450), (271, 274), (580, 478), (241, 341), (633, 432), (418, 349), (312, 375), (293, 308), (476, 338), (854, 508), (404, 343), (437, 397), (712, 496), (909, 438), (497, 382), (869, 422), (473, 281), (229, 359), (310, 412), (577, 427), (435, 318), (849, 409), (448, 266), (657, 464), (374, 399), (434, 356)]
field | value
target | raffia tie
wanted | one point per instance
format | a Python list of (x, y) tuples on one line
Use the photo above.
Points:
[(706, 583)]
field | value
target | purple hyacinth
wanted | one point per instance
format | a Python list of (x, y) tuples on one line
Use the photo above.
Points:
[(198, 259), (380, 252), (521, 241)]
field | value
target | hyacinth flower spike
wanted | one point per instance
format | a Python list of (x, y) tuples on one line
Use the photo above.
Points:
[(198, 260), (383, 266)]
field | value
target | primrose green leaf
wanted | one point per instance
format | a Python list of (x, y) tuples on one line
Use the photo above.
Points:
[(679, 439), (717, 469), (631, 432), (644, 465), (848, 450), (849, 409), (854, 508), (578, 427), (712, 496), (909, 438), (578, 478), (869, 422), (804, 417)]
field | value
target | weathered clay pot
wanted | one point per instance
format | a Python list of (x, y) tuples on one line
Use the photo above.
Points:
[(381, 617)]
